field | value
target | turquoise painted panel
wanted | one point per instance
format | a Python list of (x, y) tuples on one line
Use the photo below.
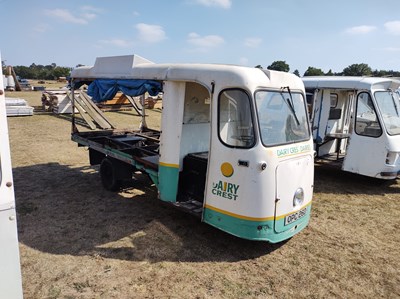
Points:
[(280, 225), (168, 178), (254, 230)]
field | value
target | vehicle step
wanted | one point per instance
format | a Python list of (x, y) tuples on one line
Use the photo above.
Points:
[(191, 206)]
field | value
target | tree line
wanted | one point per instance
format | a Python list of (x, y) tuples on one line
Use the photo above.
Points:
[(360, 69), (40, 72)]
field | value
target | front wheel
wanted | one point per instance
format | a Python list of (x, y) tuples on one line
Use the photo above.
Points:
[(108, 174)]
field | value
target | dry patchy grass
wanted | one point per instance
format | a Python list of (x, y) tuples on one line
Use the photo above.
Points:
[(79, 241)]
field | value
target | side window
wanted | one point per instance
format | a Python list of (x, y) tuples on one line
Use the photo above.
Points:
[(334, 100), (235, 123), (367, 123), (334, 113)]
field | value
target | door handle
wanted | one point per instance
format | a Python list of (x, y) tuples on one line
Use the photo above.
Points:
[(243, 163)]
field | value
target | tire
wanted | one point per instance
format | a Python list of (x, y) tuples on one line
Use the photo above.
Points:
[(108, 174)]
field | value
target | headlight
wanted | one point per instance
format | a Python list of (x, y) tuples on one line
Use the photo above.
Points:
[(298, 197)]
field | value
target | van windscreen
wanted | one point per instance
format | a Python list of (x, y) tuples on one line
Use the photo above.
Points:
[(282, 117), (389, 105)]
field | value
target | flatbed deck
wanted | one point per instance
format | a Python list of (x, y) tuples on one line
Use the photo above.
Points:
[(133, 147), (130, 150)]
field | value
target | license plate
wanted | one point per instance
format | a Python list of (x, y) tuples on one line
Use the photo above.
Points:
[(295, 216)]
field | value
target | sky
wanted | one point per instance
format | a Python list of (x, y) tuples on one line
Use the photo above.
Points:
[(325, 34)]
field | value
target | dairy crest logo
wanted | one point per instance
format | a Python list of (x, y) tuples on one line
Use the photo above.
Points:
[(226, 189)]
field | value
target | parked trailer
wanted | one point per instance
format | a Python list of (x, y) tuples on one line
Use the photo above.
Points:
[(10, 271), (235, 147), (356, 123)]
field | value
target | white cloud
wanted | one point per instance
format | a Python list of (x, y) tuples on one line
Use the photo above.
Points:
[(66, 16), (150, 33), (393, 27), (136, 14), (89, 16), (205, 42), (252, 42), (364, 29), (120, 43), (219, 3)]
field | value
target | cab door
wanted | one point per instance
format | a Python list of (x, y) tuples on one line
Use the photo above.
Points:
[(321, 108), (366, 151), (232, 180)]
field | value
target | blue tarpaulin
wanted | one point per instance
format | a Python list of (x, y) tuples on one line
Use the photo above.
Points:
[(105, 89)]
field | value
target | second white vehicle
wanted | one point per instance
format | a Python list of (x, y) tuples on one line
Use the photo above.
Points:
[(356, 123)]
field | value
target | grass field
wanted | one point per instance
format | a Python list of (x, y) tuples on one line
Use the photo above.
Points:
[(79, 241)]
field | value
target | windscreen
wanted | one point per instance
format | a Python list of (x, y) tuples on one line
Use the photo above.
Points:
[(389, 105), (282, 117)]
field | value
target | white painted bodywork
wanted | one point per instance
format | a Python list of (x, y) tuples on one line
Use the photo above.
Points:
[(257, 187), (363, 155), (10, 273), (172, 126)]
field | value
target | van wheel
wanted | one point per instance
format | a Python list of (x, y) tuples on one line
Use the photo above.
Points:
[(108, 174)]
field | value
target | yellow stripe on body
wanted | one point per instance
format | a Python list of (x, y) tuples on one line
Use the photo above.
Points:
[(168, 165), (237, 215)]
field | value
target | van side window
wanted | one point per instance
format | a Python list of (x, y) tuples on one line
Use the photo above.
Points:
[(235, 123), (367, 123), (334, 100)]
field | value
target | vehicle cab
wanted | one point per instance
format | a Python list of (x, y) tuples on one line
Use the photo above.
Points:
[(356, 123)]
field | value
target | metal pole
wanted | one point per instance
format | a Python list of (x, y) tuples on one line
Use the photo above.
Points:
[(73, 128), (143, 124)]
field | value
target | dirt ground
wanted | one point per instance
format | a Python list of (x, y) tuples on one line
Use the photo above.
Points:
[(79, 241)]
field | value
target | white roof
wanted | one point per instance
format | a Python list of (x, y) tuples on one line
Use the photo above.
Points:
[(339, 82), (136, 67), (109, 66)]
